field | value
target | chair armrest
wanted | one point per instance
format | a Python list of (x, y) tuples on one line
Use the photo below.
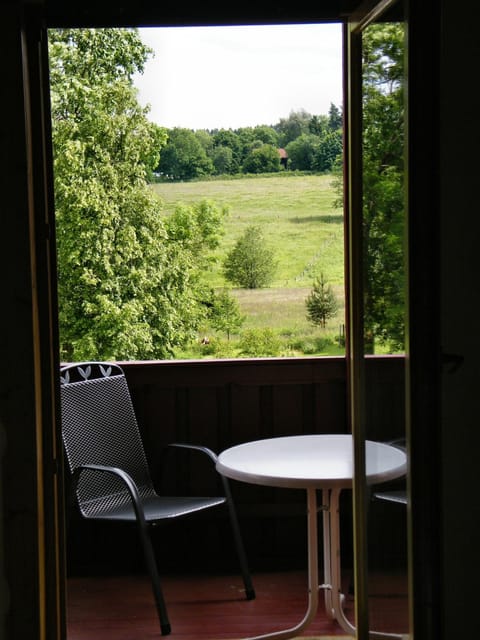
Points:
[(119, 473), (195, 447), (213, 457)]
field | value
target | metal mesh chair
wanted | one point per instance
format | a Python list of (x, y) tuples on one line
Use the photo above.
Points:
[(110, 475)]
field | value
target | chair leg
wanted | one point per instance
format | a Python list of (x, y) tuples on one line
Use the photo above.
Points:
[(155, 579), (247, 580)]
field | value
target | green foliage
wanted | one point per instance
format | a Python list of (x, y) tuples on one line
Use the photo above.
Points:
[(225, 314), (196, 227), (128, 282), (321, 303), (263, 159), (318, 125), (230, 140), (328, 151), (184, 156), (314, 346), (301, 151), (190, 155), (260, 343), (297, 123), (335, 119), (317, 152), (267, 135), (251, 263), (222, 158), (383, 184)]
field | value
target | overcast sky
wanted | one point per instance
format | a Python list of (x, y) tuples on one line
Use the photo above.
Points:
[(230, 77)]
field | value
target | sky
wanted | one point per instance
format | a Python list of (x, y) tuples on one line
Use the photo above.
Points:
[(240, 76)]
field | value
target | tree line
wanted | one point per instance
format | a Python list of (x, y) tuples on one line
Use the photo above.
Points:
[(311, 143)]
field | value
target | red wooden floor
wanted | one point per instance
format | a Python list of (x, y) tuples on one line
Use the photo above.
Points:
[(213, 607)]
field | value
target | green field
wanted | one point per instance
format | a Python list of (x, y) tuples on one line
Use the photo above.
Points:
[(305, 230)]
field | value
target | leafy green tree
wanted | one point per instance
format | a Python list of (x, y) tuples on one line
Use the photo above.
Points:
[(327, 151), (196, 229), (266, 134), (128, 286), (222, 158), (318, 125), (231, 140), (226, 315), (335, 119), (205, 139), (262, 159), (383, 184), (248, 140), (184, 156), (302, 150), (298, 122), (251, 263), (321, 303)]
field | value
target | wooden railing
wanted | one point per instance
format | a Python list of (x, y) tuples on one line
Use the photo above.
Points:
[(224, 402)]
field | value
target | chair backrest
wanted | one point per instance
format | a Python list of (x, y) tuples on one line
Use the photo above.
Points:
[(99, 426)]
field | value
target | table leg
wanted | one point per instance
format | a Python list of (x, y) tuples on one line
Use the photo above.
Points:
[(312, 575), (327, 555), (334, 598)]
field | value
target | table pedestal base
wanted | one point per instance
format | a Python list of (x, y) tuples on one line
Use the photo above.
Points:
[(334, 597)]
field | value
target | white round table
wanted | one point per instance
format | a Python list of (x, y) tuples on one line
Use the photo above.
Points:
[(314, 462)]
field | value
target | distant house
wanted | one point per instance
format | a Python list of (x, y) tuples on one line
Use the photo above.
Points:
[(283, 158)]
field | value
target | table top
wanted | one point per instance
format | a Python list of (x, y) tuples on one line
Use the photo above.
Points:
[(322, 461)]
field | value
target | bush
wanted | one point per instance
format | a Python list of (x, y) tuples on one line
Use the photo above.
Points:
[(260, 342)]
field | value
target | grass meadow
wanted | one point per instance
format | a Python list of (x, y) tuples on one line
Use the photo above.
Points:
[(297, 215)]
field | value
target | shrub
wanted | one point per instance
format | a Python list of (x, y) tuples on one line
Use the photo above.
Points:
[(260, 342)]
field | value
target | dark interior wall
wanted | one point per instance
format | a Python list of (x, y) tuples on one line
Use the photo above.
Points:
[(459, 221)]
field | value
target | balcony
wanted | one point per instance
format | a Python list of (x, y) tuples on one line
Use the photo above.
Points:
[(220, 404)]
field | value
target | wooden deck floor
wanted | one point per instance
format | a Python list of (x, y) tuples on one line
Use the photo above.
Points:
[(205, 607)]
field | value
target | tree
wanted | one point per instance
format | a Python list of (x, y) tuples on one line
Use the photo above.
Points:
[(251, 263), (298, 122), (262, 159), (335, 119), (266, 134), (327, 151), (383, 184), (229, 139), (225, 314), (321, 303), (128, 285), (184, 156), (301, 151), (318, 125), (222, 159)]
